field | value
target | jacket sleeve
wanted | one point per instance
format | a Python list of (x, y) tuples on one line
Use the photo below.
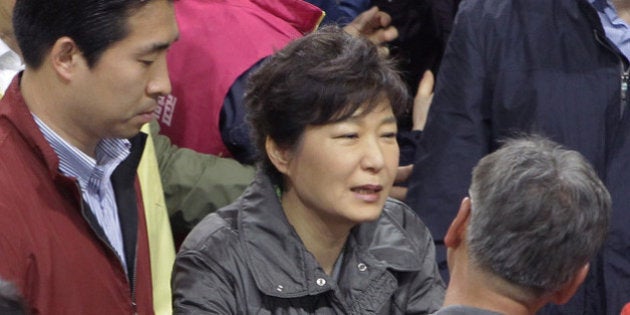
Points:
[(427, 293), (200, 286), (426, 287), (196, 184), (235, 130), (458, 128)]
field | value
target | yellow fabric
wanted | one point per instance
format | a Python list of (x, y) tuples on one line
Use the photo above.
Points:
[(159, 231)]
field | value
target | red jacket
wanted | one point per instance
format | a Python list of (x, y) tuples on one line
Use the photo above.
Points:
[(219, 40), (50, 246)]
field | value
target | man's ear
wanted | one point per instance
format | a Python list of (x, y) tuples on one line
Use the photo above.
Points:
[(66, 57), (279, 156), (455, 233), (564, 294)]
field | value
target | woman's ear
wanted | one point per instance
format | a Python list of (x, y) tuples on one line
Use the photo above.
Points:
[(280, 157)]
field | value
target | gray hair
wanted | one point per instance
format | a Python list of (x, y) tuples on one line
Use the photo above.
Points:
[(539, 213)]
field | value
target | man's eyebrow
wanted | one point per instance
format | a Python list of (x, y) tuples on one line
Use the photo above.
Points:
[(154, 48), (157, 47)]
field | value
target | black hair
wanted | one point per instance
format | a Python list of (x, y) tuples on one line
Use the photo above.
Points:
[(94, 25), (321, 78)]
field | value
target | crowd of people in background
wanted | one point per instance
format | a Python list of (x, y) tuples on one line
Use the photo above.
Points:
[(314, 157)]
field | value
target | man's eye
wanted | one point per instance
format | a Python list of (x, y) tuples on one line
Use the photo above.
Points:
[(389, 135)]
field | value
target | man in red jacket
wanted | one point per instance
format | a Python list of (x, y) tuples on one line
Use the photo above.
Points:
[(72, 230)]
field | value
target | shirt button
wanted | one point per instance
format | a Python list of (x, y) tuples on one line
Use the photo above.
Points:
[(321, 282), (362, 267), (279, 288)]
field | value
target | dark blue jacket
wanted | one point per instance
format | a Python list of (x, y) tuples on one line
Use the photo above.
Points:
[(542, 66)]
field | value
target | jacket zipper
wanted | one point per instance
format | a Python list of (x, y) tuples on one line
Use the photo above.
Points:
[(131, 285), (133, 281), (624, 73)]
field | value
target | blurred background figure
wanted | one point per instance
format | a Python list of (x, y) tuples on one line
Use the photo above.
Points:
[(221, 43), (558, 68)]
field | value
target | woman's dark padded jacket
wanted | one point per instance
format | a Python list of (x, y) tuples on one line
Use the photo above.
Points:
[(247, 259)]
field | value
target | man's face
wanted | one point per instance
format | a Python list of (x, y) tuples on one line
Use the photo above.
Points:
[(118, 94)]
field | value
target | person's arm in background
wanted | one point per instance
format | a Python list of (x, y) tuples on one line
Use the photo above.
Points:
[(407, 140), (352, 8), (196, 184), (457, 133), (375, 25), (235, 130)]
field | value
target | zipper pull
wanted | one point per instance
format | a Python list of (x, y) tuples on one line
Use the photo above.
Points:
[(624, 92)]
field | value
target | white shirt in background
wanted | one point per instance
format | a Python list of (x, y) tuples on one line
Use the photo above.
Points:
[(10, 65)]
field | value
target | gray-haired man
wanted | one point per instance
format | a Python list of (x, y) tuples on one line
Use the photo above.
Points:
[(536, 215)]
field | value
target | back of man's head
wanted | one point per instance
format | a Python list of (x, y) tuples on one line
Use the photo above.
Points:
[(93, 24), (539, 213)]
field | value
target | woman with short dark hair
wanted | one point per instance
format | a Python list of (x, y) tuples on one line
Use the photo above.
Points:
[(315, 232)]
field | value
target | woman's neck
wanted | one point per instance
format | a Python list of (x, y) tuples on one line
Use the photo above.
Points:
[(321, 238)]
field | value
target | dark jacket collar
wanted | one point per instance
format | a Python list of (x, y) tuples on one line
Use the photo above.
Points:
[(277, 256)]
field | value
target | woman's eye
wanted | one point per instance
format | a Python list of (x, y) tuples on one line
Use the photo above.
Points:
[(146, 62), (348, 136), (389, 135)]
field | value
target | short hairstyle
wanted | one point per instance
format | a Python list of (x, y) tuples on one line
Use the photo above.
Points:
[(93, 24), (321, 78), (539, 213)]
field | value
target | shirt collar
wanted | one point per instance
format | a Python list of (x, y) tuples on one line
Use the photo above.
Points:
[(75, 163)]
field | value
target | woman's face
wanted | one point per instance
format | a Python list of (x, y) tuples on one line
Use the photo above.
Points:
[(341, 173)]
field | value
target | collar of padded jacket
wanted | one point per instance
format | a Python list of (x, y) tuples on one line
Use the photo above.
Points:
[(246, 257), (277, 256)]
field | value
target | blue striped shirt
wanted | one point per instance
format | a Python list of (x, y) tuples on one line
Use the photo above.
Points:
[(617, 30), (94, 179)]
